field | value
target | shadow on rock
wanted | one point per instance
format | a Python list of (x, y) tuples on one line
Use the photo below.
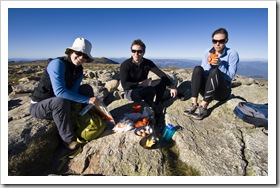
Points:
[(219, 103), (14, 103), (184, 91)]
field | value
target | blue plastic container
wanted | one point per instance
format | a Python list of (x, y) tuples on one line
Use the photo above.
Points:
[(168, 132)]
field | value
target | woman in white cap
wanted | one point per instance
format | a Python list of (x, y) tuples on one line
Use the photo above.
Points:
[(59, 86)]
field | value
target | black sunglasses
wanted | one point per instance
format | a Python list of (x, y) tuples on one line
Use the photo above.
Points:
[(138, 51), (220, 41), (85, 56)]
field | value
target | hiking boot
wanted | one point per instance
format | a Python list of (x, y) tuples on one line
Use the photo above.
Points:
[(202, 113), (191, 110), (72, 145)]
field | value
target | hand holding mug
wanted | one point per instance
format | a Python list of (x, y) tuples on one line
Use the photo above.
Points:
[(213, 59)]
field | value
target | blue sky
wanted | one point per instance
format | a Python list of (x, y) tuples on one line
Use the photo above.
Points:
[(167, 32), (170, 32)]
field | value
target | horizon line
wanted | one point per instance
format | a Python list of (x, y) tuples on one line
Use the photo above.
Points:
[(170, 58)]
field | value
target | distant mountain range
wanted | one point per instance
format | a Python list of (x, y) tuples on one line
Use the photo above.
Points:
[(253, 69), (250, 68)]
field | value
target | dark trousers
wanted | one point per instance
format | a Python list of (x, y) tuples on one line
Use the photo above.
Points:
[(58, 109), (150, 92), (212, 87)]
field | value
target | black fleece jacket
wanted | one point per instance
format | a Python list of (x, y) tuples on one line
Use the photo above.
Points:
[(131, 73)]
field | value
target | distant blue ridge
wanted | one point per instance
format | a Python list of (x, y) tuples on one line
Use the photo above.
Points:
[(252, 69), (25, 59)]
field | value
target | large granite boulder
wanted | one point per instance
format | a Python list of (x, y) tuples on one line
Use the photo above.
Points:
[(219, 145)]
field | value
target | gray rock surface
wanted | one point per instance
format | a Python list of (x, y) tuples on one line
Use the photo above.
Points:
[(219, 145)]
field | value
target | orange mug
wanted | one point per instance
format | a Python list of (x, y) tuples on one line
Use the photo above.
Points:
[(136, 108), (212, 56)]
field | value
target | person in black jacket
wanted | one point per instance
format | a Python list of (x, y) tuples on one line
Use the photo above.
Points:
[(59, 87), (135, 82)]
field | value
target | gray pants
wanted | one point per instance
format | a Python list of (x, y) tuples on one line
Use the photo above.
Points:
[(58, 109)]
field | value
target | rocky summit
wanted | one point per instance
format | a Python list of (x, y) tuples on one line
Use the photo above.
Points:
[(219, 145)]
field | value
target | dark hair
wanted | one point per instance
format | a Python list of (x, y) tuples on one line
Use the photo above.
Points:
[(221, 31), (140, 43)]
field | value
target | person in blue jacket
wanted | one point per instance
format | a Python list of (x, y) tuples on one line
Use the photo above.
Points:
[(59, 86), (213, 78)]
